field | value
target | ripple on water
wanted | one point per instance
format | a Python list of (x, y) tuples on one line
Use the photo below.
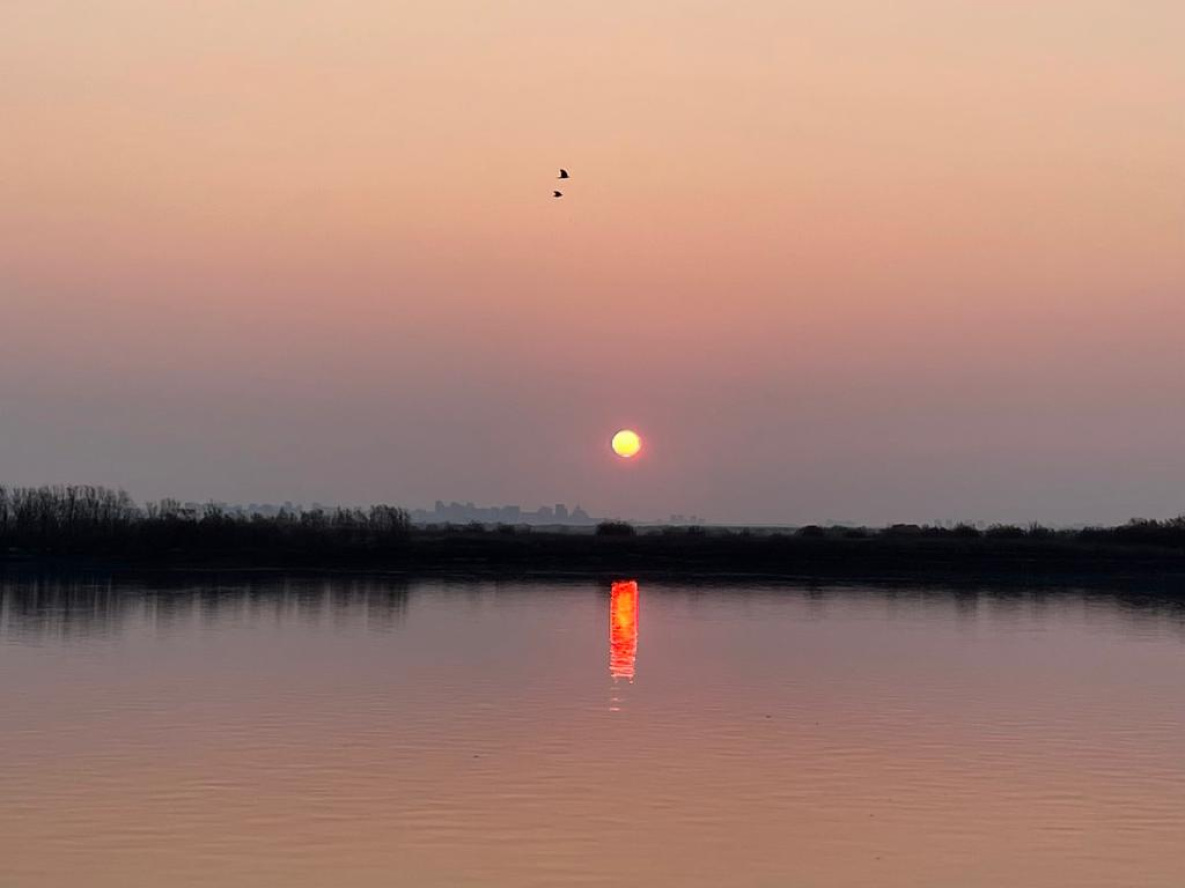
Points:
[(311, 733)]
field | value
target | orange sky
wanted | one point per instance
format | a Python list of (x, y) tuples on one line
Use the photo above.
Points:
[(860, 261)]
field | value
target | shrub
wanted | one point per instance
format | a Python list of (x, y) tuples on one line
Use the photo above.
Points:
[(616, 529)]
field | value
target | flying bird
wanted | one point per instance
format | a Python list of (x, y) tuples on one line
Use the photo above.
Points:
[(557, 194), (563, 174)]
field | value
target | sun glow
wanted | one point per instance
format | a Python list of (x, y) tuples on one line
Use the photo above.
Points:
[(626, 443), (623, 629)]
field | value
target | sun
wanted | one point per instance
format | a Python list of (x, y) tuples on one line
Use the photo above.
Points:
[(626, 443)]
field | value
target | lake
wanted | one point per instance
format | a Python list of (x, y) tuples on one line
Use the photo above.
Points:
[(312, 731)]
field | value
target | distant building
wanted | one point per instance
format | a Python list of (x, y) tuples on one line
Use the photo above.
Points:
[(468, 513)]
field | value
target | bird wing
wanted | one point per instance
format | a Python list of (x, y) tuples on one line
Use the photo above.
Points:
[(557, 194), (563, 174)]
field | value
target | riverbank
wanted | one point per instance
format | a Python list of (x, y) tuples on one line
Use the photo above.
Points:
[(94, 527), (939, 556)]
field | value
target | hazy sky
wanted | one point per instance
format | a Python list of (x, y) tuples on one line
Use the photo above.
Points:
[(859, 260)]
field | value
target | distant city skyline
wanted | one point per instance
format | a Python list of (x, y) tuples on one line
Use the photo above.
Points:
[(465, 513), (454, 512)]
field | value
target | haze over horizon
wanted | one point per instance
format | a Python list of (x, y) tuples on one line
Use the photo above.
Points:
[(832, 261)]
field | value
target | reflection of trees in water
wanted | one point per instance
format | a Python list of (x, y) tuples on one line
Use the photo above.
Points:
[(1140, 606), (41, 603), (80, 605)]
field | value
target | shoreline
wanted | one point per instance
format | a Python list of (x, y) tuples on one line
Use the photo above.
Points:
[(708, 559)]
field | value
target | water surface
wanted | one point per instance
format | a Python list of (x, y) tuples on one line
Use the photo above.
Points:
[(311, 732)]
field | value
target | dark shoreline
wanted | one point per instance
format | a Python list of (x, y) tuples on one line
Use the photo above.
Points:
[(83, 528), (710, 558)]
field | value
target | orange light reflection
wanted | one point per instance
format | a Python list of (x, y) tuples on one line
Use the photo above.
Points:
[(623, 629)]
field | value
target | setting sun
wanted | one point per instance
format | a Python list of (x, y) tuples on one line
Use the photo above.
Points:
[(626, 443)]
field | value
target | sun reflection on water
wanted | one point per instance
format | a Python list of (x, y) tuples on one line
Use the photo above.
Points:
[(623, 629)]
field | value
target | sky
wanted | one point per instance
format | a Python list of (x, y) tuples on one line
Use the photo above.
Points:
[(851, 261)]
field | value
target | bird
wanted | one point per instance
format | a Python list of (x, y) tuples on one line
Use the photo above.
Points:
[(557, 194), (563, 174)]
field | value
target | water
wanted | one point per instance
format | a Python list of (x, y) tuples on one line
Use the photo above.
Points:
[(311, 732)]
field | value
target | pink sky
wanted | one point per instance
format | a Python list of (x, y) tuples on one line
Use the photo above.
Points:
[(857, 261)]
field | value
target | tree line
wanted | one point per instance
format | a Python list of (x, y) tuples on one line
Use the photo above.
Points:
[(98, 522), (89, 519)]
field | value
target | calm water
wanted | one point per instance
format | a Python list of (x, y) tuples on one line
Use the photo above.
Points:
[(314, 733)]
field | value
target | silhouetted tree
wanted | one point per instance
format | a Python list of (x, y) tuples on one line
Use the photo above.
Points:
[(615, 529)]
